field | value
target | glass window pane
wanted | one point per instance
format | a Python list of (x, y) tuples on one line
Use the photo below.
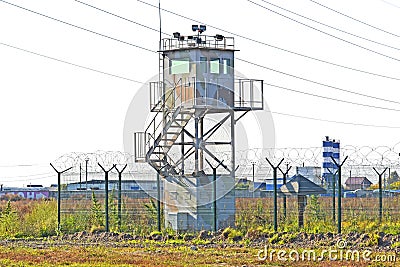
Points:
[(179, 66), (214, 65), (226, 62)]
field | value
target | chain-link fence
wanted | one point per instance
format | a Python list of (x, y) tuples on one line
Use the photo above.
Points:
[(133, 207)]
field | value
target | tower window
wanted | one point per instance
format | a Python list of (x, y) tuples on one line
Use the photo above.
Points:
[(226, 66), (214, 65), (179, 66)]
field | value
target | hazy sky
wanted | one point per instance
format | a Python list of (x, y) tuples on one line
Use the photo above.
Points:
[(49, 108)]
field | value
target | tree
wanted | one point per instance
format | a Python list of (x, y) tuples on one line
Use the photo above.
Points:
[(373, 187), (393, 177), (395, 185)]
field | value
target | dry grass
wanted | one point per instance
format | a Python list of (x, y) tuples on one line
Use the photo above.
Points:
[(150, 255)]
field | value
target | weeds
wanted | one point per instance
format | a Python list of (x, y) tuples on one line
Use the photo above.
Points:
[(8, 222)]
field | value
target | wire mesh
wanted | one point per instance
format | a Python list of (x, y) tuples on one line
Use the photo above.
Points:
[(83, 197)]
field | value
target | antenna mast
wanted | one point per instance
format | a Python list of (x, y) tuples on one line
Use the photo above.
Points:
[(160, 56)]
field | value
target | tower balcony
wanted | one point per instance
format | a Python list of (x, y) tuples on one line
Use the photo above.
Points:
[(246, 95)]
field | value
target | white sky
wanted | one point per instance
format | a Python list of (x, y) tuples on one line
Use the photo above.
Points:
[(50, 108)]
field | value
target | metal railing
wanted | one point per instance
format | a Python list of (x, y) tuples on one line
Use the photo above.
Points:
[(198, 41), (167, 107), (249, 94)]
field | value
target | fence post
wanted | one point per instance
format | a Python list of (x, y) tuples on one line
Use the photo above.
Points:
[(380, 192), (285, 174), (339, 192), (275, 170), (214, 199), (59, 195), (120, 195), (106, 192)]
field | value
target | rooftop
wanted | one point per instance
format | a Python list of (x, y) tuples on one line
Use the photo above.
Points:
[(357, 180)]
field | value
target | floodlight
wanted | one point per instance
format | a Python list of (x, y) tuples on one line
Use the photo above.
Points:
[(219, 37), (202, 28), (195, 27), (177, 34)]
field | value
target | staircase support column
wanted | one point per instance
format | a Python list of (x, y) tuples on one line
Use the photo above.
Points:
[(201, 155), (233, 159), (183, 151), (196, 145)]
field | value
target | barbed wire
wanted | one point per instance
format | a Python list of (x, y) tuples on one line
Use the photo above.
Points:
[(360, 161)]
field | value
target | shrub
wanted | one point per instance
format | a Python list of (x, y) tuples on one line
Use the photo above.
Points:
[(96, 213), (42, 220), (9, 222), (232, 234)]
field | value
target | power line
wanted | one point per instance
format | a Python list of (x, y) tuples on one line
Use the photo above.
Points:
[(30, 175), (21, 165), (154, 51), (273, 112), (330, 98), (132, 80), (27, 180), (72, 64), (336, 88), (332, 121), (115, 15), (389, 3), (326, 25), (275, 47), (326, 33), (79, 27), (362, 22), (348, 91), (315, 82)]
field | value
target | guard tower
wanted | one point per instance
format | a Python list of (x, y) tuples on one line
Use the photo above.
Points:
[(195, 102)]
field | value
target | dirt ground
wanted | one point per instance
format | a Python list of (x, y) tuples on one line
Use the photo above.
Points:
[(110, 249)]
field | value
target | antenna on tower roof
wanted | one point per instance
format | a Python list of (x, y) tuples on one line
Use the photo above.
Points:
[(159, 17)]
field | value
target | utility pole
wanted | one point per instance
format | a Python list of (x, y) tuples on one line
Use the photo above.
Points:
[(333, 194), (80, 176), (339, 166), (380, 192), (120, 195), (59, 194), (285, 175), (86, 173), (275, 169), (254, 187), (214, 194), (106, 191)]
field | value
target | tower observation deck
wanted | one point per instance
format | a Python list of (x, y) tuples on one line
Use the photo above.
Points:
[(194, 105)]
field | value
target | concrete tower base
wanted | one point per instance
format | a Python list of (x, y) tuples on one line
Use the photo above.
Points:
[(189, 203)]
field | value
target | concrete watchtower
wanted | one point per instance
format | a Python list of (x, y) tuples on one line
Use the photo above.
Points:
[(195, 101)]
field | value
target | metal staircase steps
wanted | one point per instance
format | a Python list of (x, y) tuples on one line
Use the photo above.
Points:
[(157, 155)]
